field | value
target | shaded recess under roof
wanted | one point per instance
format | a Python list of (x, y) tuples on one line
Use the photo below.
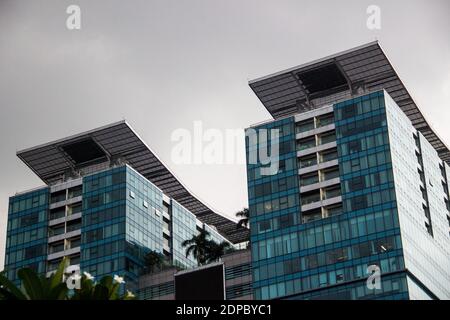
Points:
[(339, 77), (324, 79), (52, 160), (84, 152)]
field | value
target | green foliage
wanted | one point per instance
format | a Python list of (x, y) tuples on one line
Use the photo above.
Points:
[(198, 246), (205, 250), (155, 261), (35, 287), (244, 218), (106, 289), (217, 250)]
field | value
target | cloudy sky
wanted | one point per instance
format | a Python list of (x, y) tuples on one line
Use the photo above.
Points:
[(162, 65)]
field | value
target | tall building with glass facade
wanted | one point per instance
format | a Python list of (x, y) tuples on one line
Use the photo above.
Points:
[(107, 201), (362, 181)]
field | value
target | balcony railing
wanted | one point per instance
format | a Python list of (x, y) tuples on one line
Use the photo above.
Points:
[(55, 232), (304, 163), (327, 139), (311, 217), (310, 199), (305, 181), (56, 249), (57, 214), (303, 145), (324, 121), (73, 227), (328, 175), (325, 157), (303, 127), (332, 193)]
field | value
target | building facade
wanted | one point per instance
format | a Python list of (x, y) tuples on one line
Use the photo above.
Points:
[(357, 208), (361, 186), (100, 211), (237, 279)]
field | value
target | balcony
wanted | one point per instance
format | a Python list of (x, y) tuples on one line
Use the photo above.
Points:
[(73, 225), (63, 253), (57, 213), (331, 192), (319, 185), (328, 155), (58, 196), (305, 144), (74, 208), (329, 174), (313, 149), (321, 203), (309, 179), (56, 230), (309, 163), (333, 210), (62, 236), (314, 122), (325, 196), (310, 198), (312, 215), (315, 131), (304, 126), (74, 192), (326, 138), (325, 120), (65, 219), (306, 162), (57, 247)]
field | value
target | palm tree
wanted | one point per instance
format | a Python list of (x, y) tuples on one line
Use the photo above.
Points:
[(217, 250), (244, 218), (154, 261), (198, 246), (244, 221)]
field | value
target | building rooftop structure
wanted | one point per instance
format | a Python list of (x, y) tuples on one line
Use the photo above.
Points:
[(118, 143), (338, 77)]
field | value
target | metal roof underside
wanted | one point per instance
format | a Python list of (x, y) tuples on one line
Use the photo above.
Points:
[(365, 69), (50, 161)]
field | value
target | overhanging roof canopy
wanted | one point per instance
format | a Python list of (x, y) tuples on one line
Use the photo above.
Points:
[(337, 77), (52, 160)]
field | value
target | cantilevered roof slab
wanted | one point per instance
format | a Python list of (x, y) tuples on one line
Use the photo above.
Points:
[(51, 161), (336, 78)]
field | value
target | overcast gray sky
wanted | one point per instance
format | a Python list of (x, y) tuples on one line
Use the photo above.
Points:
[(163, 64)]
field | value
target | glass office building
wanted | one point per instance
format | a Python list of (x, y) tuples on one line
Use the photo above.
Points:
[(236, 275), (361, 186), (107, 201)]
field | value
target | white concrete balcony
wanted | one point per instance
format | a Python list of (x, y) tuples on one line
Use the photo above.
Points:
[(63, 253), (63, 236), (318, 166), (313, 113), (320, 184), (66, 185), (65, 202), (321, 203), (315, 149), (315, 131), (64, 219)]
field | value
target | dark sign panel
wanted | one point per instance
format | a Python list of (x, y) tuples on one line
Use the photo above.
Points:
[(203, 284)]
